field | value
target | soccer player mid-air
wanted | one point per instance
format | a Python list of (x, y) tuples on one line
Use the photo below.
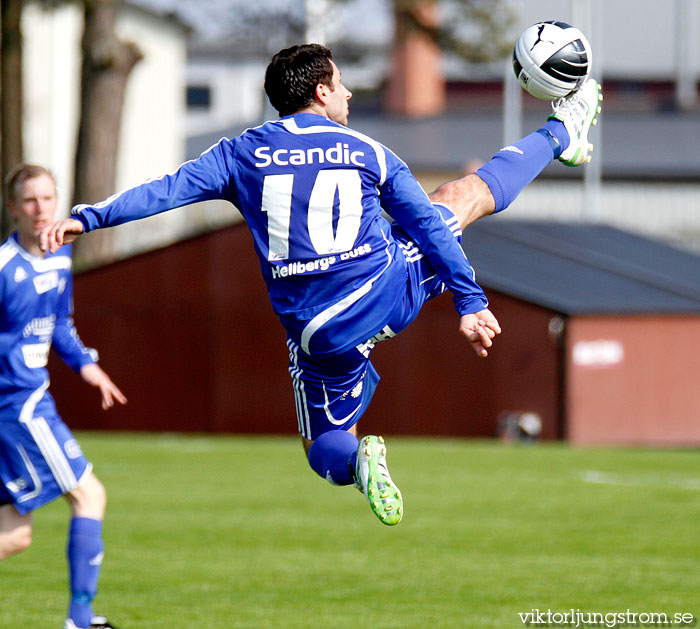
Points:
[(340, 277), (39, 458)]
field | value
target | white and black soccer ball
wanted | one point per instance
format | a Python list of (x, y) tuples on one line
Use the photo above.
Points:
[(551, 59)]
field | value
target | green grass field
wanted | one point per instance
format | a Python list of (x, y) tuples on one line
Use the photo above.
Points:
[(238, 532)]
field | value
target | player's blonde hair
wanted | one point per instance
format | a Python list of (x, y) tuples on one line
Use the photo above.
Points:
[(20, 173)]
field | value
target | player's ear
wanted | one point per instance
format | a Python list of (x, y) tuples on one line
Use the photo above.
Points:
[(321, 93)]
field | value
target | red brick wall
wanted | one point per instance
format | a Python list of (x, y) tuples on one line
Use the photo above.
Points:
[(633, 380), (188, 334)]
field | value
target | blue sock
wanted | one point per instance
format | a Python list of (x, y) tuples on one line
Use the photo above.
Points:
[(332, 456), (515, 166), (558, 130), (84, 560)]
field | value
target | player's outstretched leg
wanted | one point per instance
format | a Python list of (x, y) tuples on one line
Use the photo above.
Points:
[(578, 112), (374, 481)]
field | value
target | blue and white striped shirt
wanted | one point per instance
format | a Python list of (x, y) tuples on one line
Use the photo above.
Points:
[(36, 313)]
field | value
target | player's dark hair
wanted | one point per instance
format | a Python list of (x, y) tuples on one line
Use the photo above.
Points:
[(20, 173), (293, 74)]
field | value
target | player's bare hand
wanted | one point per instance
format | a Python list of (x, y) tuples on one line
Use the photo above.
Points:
[(480, 328), (59, 233), (93, 374)]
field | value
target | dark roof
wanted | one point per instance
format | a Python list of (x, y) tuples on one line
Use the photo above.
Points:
[(639, 145), (577, 268), (634, 145)]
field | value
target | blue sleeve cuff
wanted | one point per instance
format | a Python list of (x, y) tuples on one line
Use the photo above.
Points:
[(79, 217), (470, 306)]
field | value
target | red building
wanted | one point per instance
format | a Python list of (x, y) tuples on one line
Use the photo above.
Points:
[(600, 343)]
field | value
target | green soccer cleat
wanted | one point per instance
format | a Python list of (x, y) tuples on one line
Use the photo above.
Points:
[(374, 481), (578, 112)]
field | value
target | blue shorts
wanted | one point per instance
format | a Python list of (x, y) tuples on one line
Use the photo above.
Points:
[(40, 459), (332, 393)]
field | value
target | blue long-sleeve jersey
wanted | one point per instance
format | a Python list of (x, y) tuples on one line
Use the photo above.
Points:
[(36, 312), (312, 193)]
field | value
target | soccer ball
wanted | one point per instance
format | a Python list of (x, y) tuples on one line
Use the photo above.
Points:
[(551, 59)]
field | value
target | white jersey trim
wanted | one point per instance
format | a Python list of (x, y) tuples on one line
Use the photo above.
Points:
[(300, 402), (27, 412), (326, 315), (36, 479), (53, 453), (7, 252), (291, 126), (40, 265)]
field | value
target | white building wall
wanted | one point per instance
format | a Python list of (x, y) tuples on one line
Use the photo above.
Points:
[(152, 138), (51, 91), (153, 133), (236, 93)]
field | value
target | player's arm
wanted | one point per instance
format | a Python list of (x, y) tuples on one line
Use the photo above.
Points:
[(404, 199), (95, 376), (60, 233), (202, 179)]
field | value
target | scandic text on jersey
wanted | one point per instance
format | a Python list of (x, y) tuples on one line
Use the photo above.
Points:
[(338, 154)]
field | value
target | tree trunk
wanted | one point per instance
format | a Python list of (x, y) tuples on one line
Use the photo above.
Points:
[(416, 86), (11, 147), (107, 63)]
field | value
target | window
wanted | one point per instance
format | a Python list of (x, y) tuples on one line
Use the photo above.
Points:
[(198, 97)]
